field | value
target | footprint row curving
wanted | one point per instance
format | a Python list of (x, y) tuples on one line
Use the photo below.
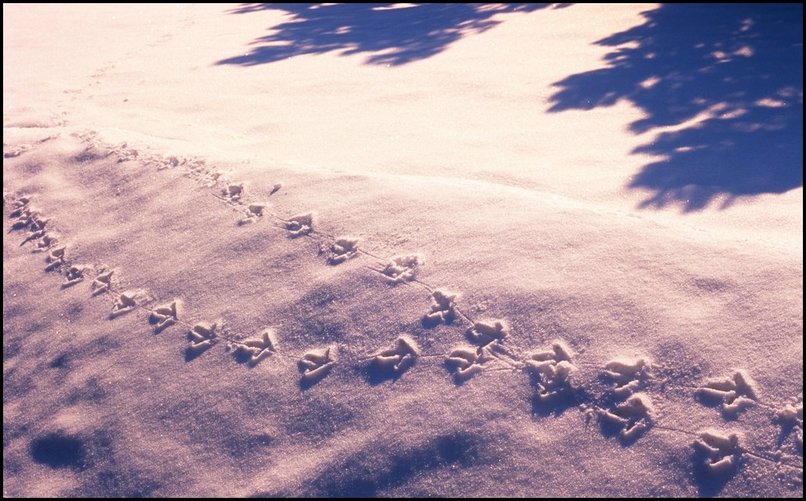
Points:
[(627, 408)]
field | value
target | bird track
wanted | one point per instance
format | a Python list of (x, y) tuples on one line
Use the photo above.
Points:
[(626, 408)]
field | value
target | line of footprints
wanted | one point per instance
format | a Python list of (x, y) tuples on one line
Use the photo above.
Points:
[(628, 410)]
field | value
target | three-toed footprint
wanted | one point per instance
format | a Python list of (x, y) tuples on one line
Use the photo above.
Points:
[(45, 243), (254, 212), (633, 417), (102, 282), (74, 274), (164, 316), (465, 362), (486, 332), (202, 336), (552, 370), (301, 224), (257, 349), (342, 250), (402, 268), (733, 394), (627, 374), (316, 364), (397, 359), (55, 258), (719, 453), (124, 303), (443, 308)]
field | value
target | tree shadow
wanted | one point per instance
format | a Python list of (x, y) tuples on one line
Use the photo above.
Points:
[(391, 35), (728, 78), (59, 451)]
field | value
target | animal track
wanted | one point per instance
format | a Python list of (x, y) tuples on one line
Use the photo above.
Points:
[(484, 333), (465, 362), (55, 258), (792, 416), (16, 151), (258, 349), (17, 203), (632, 411), (629, 375), (316, 364), (633, 416), (399, 357), (402, 268), (735, 393), (102, 282), (553, 370), (124, 303), (203, 336), (233, 192), (164, 316), (301, 224), (74, 275), (26, 217), (720, 453), (202, 174), (342, 250), (35, 235), (44, 243), (253, 213), (443, 308)]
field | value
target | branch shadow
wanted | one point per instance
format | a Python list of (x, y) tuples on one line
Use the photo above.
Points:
[(722, 88), (392, 34)]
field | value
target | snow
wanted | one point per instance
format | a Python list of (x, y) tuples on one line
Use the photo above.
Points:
[(416, 250)]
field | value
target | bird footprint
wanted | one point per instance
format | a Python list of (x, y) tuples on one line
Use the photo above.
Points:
[(74, 275), (44, 243), (719, 453), (553, 370), (484, 332), (402, 268), (628, 374), (55, 258), (253, 213), (734, 393), (124, 303), (443, 308), (102, 282), (316, 364), (257, 349), (465, 362), (399, 357), (164, 316), (202, 336), (342, 250), (633, 416), (301, 224)]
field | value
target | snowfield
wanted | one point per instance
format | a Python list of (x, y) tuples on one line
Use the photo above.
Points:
[(402, 250)]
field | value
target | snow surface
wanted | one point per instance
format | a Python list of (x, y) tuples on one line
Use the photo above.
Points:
[(402, 250)]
